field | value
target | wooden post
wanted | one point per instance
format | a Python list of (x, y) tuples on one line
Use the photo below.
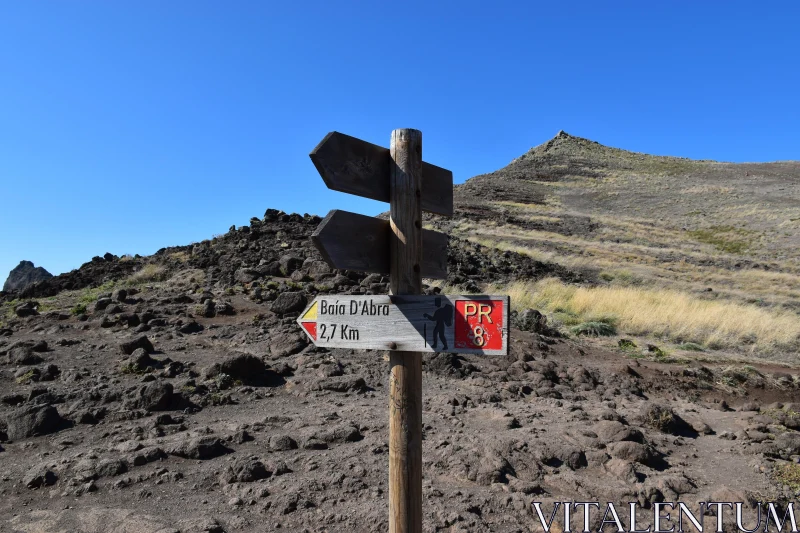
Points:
[(405, 382)]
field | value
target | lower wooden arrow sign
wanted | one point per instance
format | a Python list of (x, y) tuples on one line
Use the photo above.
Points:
[(457, 324), (357, 242)]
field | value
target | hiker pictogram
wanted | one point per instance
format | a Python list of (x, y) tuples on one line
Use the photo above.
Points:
[(443, 316)]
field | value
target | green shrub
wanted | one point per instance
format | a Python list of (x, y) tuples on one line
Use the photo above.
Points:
[(626, 344), (595, 329), (691, 347)]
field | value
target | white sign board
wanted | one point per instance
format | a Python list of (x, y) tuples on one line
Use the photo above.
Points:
[(475, 324)]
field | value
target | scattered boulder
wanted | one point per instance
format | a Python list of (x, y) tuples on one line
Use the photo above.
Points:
[(347, 383), (289, 302), (209, 308), (246, 275), (612, 431), (23, 355), (102, 304), (343, 433), (155, 396), (139, 342), (533, 321), (631, 451), (191, 327), (32, 421), (40, 346), (146, 455), (206, 447), (39, 476), (140, 361), (281, 443), (556, 455), (288, 344), (449, 364), (289, 263), (120, 295), (29, 308), (248, 369), (246, 470), (662, 418)]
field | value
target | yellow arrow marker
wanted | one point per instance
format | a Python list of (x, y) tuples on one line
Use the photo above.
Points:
[(311, 314)]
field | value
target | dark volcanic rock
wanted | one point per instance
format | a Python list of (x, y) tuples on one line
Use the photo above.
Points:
[(23, 275), (27, 309), (245, 470), (290, 263), (32, 421), (39, 476), (281, 443), (23, 355), (449, 364), (155, 396), (289, 302), (343, 384), (191, 327), (248, 369), (200, 448), (139, 342)]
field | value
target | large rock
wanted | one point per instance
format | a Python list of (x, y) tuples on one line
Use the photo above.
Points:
[(289, 302), (23, 275), (631, 451), (248, 369), (155, 396), (202, 448), (612, 431), (29, 308), (245, 470), (23, 355), (33, 421), (289, 263), (139, 342), (39, 476)]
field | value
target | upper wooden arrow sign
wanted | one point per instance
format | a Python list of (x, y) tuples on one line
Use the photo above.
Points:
[(357, 242), (353, 166)]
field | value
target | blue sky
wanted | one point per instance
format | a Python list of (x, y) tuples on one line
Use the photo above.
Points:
[(128, 126)]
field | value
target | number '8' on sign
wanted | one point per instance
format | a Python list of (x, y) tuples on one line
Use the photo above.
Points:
[(479, 324)]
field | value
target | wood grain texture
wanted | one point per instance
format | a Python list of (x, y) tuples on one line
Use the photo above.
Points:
[(407, 323), (353, 166), (405, 380), (358, 242)]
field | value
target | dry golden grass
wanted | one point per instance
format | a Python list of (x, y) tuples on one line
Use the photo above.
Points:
[(664, 313), (179, 256), (628, 251), (148, 273)]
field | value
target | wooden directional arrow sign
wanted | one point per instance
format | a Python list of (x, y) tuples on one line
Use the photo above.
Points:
[(458, 324), (357, 242), (351, 165)]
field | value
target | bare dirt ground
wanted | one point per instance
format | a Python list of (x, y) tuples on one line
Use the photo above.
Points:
[(171, 446)]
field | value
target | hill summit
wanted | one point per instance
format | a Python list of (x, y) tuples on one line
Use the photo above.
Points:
[(24, 274)]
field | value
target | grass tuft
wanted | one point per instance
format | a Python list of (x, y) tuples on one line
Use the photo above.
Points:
[(148, 273), (594, 329)]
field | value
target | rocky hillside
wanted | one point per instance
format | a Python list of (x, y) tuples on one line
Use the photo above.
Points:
[(175, 392)]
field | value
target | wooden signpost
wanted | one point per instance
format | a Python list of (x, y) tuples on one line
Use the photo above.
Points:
[(405, 322)]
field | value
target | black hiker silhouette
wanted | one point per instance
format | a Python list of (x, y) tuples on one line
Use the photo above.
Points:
[(443, 316)]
